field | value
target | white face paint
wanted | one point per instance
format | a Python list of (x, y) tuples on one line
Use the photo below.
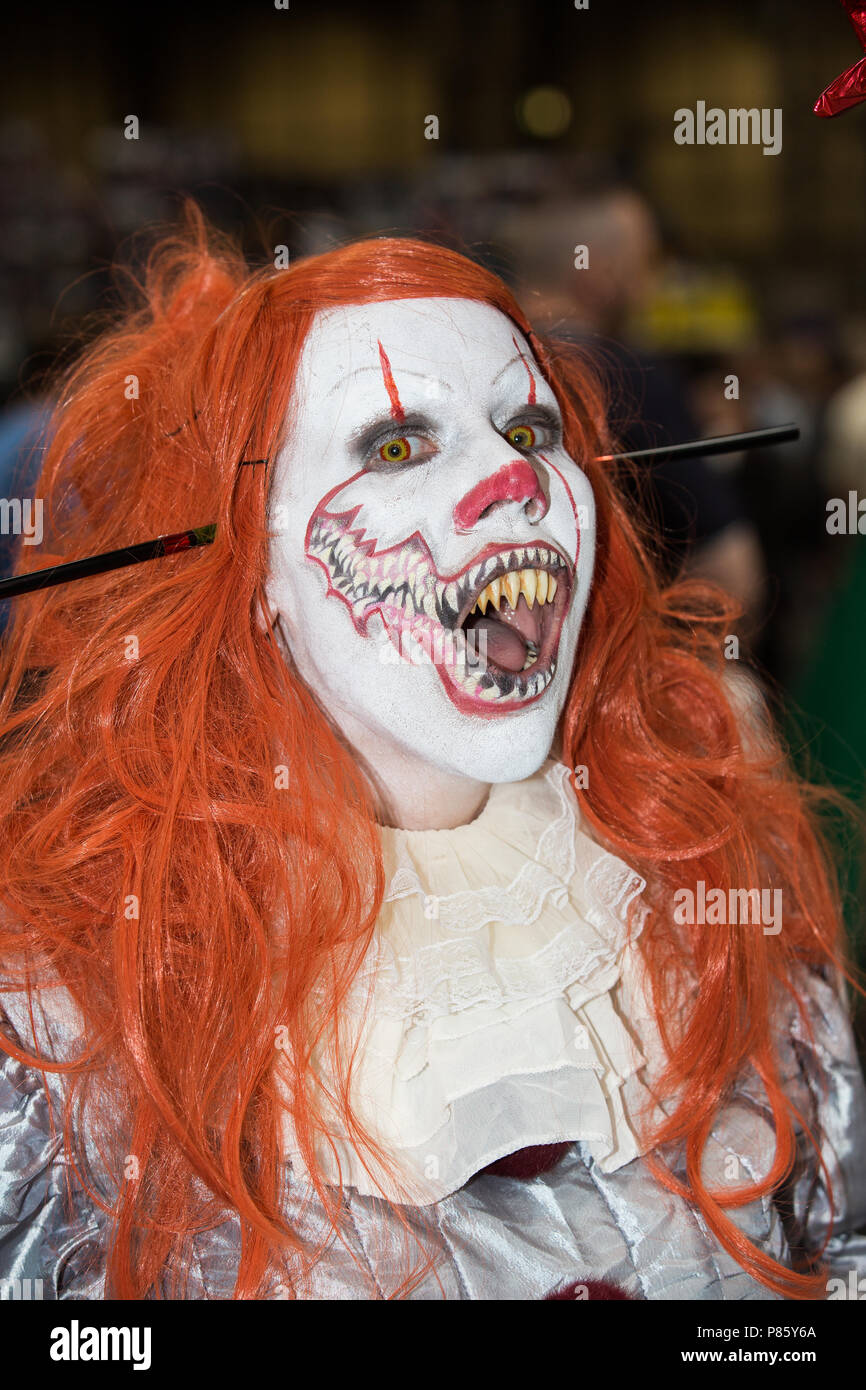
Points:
[(434, 542)]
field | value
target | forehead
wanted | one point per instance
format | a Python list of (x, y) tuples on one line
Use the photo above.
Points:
[(457, 341)]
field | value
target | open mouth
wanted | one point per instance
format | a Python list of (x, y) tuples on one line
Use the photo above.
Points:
[(492, 631), (510, 620)]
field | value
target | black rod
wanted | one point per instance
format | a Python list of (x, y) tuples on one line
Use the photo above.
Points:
[(719, 444), (109, 560)]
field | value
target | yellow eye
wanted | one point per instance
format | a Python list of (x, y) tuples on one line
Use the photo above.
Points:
[(521, 436), (396, 450)]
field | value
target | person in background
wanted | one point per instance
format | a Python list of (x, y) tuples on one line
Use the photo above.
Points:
[(702, 520)]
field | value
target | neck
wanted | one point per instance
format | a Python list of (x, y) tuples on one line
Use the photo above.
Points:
[(410, 793)]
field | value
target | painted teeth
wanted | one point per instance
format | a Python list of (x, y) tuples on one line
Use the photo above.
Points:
[(520, 687), (535, 585)]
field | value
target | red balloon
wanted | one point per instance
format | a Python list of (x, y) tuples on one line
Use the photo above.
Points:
[(850, 88)]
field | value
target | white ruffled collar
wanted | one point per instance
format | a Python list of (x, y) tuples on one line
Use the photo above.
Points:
[(485, 1012)]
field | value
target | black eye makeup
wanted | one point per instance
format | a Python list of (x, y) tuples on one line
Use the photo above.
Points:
[(369, 437), (534, 427), (386, 442), (387, 445)]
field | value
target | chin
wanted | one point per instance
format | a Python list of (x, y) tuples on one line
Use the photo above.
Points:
[(493, 750), (515, 766), (493, 744)]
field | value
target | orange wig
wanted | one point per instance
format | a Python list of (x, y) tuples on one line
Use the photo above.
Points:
[(195, 912)]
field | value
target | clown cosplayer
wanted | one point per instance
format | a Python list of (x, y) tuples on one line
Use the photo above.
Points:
[(339, 860)]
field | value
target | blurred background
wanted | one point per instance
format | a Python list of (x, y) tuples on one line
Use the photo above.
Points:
[(724, 289)]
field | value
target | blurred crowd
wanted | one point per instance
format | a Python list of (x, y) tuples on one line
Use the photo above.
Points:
[(688, 349)]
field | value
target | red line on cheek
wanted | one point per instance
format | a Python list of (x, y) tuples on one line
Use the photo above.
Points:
[(570, 498), (530, 400), (397, 410)]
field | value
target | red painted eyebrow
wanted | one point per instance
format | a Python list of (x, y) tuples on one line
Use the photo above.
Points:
[(397, 410), (530, 400)]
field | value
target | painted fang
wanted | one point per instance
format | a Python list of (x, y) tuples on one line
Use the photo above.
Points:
[(448, 620)]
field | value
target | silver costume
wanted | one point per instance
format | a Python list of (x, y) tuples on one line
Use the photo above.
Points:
[(497, 1237)]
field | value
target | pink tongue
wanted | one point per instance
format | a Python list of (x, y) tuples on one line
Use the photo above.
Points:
[(505, 647), (509, 632)]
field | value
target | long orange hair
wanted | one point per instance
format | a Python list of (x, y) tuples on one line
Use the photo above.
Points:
[(198, 913)]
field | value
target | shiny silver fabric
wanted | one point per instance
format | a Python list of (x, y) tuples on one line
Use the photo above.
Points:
[(497, 1238)]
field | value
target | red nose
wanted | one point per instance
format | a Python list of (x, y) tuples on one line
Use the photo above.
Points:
[(516, 482)]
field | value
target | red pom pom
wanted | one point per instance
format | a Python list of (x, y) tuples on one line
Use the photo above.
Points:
[(528, 1163), (595, 1289)]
